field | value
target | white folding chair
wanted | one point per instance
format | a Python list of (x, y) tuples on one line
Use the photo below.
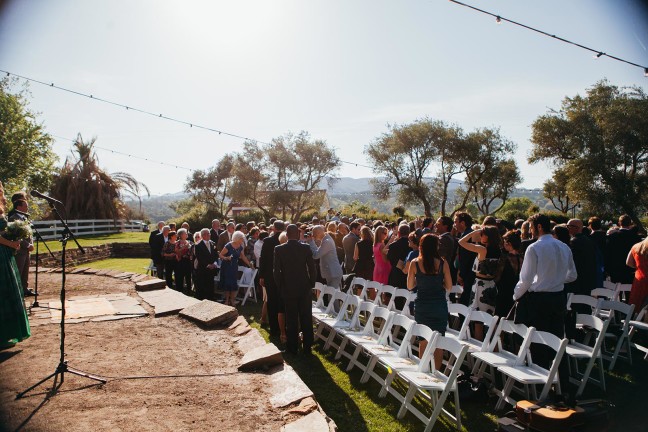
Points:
[(401, 293), (151, 269), (590, 301), (498, 353), (360, 318), (336, 304), (323, 299), (385, 290), (389, 347), (533, 374), (435, 385), (486, 320), (246, 283), (359, 287), (638, 324), (372, 333), (608, 284), (342, 320), (457, 312), (622, 292), (576, 351), (373, 290), (603, 293), (457, 290), (407, 358), (622, 327)]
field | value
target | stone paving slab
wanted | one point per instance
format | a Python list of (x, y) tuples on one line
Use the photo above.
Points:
[(264, 356), (239, 321), (149, 285), (104, 272), (250, 341), (209, 313), (79, 270), (91, 271), (167, 301), (287, 388), (82, 308), (128, 306), (313, 422)]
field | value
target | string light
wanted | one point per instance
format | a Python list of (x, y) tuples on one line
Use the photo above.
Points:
[(598, 53)]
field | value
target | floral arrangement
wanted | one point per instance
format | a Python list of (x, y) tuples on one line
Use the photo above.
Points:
[(17, 230)]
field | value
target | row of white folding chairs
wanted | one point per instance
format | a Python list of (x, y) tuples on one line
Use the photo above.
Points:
[(383, 295), (377, 339), (610, 310), (621, 291)]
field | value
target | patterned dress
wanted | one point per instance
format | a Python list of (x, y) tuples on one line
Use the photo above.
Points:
[(14, 325)]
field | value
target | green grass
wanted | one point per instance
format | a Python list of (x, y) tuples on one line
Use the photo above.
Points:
[(134, 265), (356, 407), (126, 237)]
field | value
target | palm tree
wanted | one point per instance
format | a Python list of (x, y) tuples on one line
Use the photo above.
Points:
[(89, 192)]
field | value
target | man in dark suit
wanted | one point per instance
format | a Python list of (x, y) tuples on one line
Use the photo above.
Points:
[(157, 243), (618, 245), (447, 244), (20, 212), (463, 223), (397, 255), (584, 254), (294, 274), (206, 257), (225, 236), (266, 278), (215, 230)]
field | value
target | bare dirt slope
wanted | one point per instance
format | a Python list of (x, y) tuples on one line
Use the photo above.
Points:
[(140, 347)]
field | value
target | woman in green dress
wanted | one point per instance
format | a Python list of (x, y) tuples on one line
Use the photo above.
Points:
[(14, 325)]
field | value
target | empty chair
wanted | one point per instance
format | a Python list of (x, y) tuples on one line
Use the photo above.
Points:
[(480, 319), (405, 297), (581, 299), (435, 385), (384, 295), (358, 321), (607, 284), (359, 287), (604, 293), (638, 324), (327, 327), (501, 353), (372, 332), (457, 321), (323, 300), (620, 315), (576, 351), (622, 292), (372, 290), (533, 374), (389, 346), (247, 285)]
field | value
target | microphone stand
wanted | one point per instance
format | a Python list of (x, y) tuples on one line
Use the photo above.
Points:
[(38, 238), (62, 367)]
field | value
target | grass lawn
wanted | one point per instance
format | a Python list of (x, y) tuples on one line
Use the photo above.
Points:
[(125, 237), (356, 407), (134, 265)]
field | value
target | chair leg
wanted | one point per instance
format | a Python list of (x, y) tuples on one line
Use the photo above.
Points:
[(354, 358), (385, 389), (408, 399), (341, 348), (457, 409), (370, 367), (506, 390)]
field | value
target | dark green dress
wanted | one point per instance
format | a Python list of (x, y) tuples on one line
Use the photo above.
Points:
[(431, 303), (14, 325)]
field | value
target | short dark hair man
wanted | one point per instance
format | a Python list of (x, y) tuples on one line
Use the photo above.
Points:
[(266, 278), (618, 246), (294, 274)]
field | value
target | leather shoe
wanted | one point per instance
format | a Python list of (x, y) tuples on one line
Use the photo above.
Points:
[(29, 292)]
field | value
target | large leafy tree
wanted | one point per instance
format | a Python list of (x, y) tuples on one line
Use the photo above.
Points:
[(211, 186), (285, 177), (89, 192), (25, 148), (495, 186), (407, 156), (556, 190), (600, 142)]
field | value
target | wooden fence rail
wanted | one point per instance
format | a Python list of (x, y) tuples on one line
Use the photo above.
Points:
[(86, 227)]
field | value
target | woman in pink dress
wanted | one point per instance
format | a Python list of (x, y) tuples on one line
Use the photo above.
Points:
[(382, 266), (638, 259)]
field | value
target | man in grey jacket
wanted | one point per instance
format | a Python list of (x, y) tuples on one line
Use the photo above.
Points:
[(330, 267)]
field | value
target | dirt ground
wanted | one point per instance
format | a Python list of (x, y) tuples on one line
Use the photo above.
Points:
[(225, 400)]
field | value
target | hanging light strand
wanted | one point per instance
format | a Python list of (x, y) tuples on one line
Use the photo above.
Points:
[(597, 53)]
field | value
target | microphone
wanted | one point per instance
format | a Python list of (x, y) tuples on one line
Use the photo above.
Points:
[(49, 199)]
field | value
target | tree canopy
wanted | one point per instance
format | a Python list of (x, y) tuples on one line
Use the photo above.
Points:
[(25, 147), (599, 142)]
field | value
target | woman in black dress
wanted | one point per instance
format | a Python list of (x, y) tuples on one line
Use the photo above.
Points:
[(509, 274), (363, 255)]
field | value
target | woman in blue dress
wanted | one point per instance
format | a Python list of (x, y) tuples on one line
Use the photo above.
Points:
[(230, 255), (430, 274), (14, 325)]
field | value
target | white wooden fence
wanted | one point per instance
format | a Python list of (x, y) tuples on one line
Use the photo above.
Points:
[(86, 227)]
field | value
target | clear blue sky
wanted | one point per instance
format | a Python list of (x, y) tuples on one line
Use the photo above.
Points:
[(339, 69)]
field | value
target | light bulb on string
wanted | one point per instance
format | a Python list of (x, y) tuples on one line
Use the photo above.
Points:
[(498, 20), (599, 55)]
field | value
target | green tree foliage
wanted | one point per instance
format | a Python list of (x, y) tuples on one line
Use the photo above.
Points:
[(89, 192), (600, 142), (556, 190), (495, 186), (211, 186), (284, 177), (419, 160), (25, 148)]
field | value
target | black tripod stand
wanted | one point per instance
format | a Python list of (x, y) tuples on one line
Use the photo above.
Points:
[(39, 239), (62, 367)]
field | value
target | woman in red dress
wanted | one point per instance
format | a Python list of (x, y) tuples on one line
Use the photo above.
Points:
[(638, 259)]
